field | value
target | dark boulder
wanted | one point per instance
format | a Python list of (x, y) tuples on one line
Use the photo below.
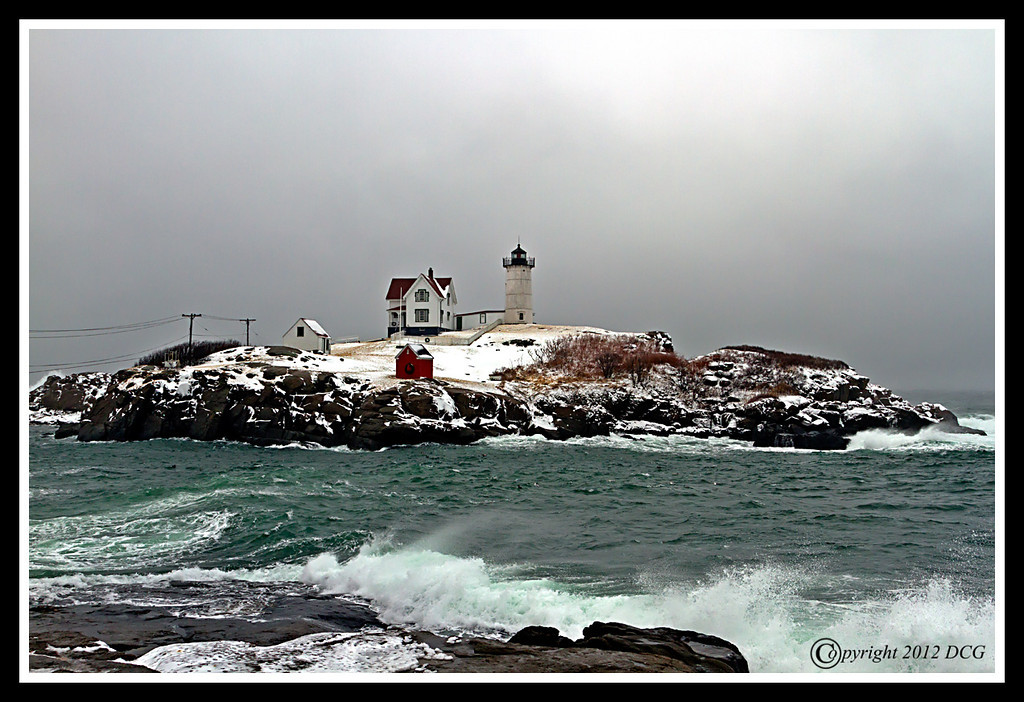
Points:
[(703, 652), (604, 648), (540, 636), (797, 437), (65, 431)]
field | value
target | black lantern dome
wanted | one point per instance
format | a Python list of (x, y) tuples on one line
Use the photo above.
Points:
[(518, 258)]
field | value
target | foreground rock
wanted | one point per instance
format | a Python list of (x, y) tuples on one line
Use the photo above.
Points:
[(265, 396), (81, 637), (604, 648), (253, 627)]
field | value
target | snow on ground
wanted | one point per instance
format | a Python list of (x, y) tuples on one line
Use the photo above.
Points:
[(225, 360), (469, 366), (466, 366)]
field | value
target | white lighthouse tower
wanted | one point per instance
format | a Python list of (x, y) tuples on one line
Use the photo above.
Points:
[(518, 287)]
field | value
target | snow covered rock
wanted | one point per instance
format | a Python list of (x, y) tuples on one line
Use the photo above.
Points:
[(274, 395)]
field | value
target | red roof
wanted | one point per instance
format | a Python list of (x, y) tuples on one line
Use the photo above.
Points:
[(400, 286)]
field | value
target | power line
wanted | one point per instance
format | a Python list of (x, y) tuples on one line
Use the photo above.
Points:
[(223, 319), (245, 320), (99, 361), (124, 327), (75, 333), (120, 329)]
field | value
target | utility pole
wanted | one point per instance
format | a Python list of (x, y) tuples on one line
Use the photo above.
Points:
[(247, 320), (191, 318)]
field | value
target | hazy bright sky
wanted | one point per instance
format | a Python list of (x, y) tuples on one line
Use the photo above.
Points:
[(832, 190)]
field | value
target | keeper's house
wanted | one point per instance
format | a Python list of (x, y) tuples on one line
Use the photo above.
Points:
[(421, 306), (307, 335)]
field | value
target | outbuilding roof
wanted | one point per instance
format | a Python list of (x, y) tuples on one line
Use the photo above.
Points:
[(467, 314), (314, 326), (419, 349)]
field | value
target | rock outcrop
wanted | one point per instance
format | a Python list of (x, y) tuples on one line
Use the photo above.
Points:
[(606, 647), (78, 637), (263, 396), (280, 405)]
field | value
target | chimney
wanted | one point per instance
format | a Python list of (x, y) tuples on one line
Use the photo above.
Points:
[(430, 273)]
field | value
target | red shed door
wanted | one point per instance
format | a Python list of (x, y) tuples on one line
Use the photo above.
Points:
[(405, 365)]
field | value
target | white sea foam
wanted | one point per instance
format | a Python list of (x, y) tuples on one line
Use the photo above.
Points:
[(149, 590), (308, 446), (363, 652), (670, 443), (281, 572), (928, 439), (135, 537), (42, 381), (985, 422), (760, 609)]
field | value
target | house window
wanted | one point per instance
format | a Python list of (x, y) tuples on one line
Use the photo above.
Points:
[(422, 315), (520, 315), (483, 318), (422, 295), (394, 319), (300, 331)]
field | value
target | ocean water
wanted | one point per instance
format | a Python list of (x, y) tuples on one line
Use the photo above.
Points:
[(878, 559)]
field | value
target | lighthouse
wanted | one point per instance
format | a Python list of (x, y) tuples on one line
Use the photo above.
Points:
[(518, 287)]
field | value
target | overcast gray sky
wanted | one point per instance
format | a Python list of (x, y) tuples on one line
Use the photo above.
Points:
[(834, 191)]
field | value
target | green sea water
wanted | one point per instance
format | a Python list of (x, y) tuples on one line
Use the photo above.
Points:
[(889, 543)]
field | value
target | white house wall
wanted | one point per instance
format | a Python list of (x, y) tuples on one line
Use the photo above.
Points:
[(435, 305)]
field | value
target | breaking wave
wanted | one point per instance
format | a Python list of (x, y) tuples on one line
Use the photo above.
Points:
[(769, 612)]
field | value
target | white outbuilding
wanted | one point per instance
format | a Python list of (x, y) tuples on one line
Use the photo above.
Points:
[(307, 335)]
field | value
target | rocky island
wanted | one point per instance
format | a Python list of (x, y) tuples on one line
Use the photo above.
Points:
[(553, 381)]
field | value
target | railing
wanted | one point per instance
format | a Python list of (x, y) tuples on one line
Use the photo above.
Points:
[(459, 339), (489, 327), (518, 261)]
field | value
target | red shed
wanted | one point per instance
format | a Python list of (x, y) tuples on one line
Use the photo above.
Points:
[(414, 361)]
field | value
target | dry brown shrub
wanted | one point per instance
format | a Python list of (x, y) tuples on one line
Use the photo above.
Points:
[(590, 356), (784, 359)]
